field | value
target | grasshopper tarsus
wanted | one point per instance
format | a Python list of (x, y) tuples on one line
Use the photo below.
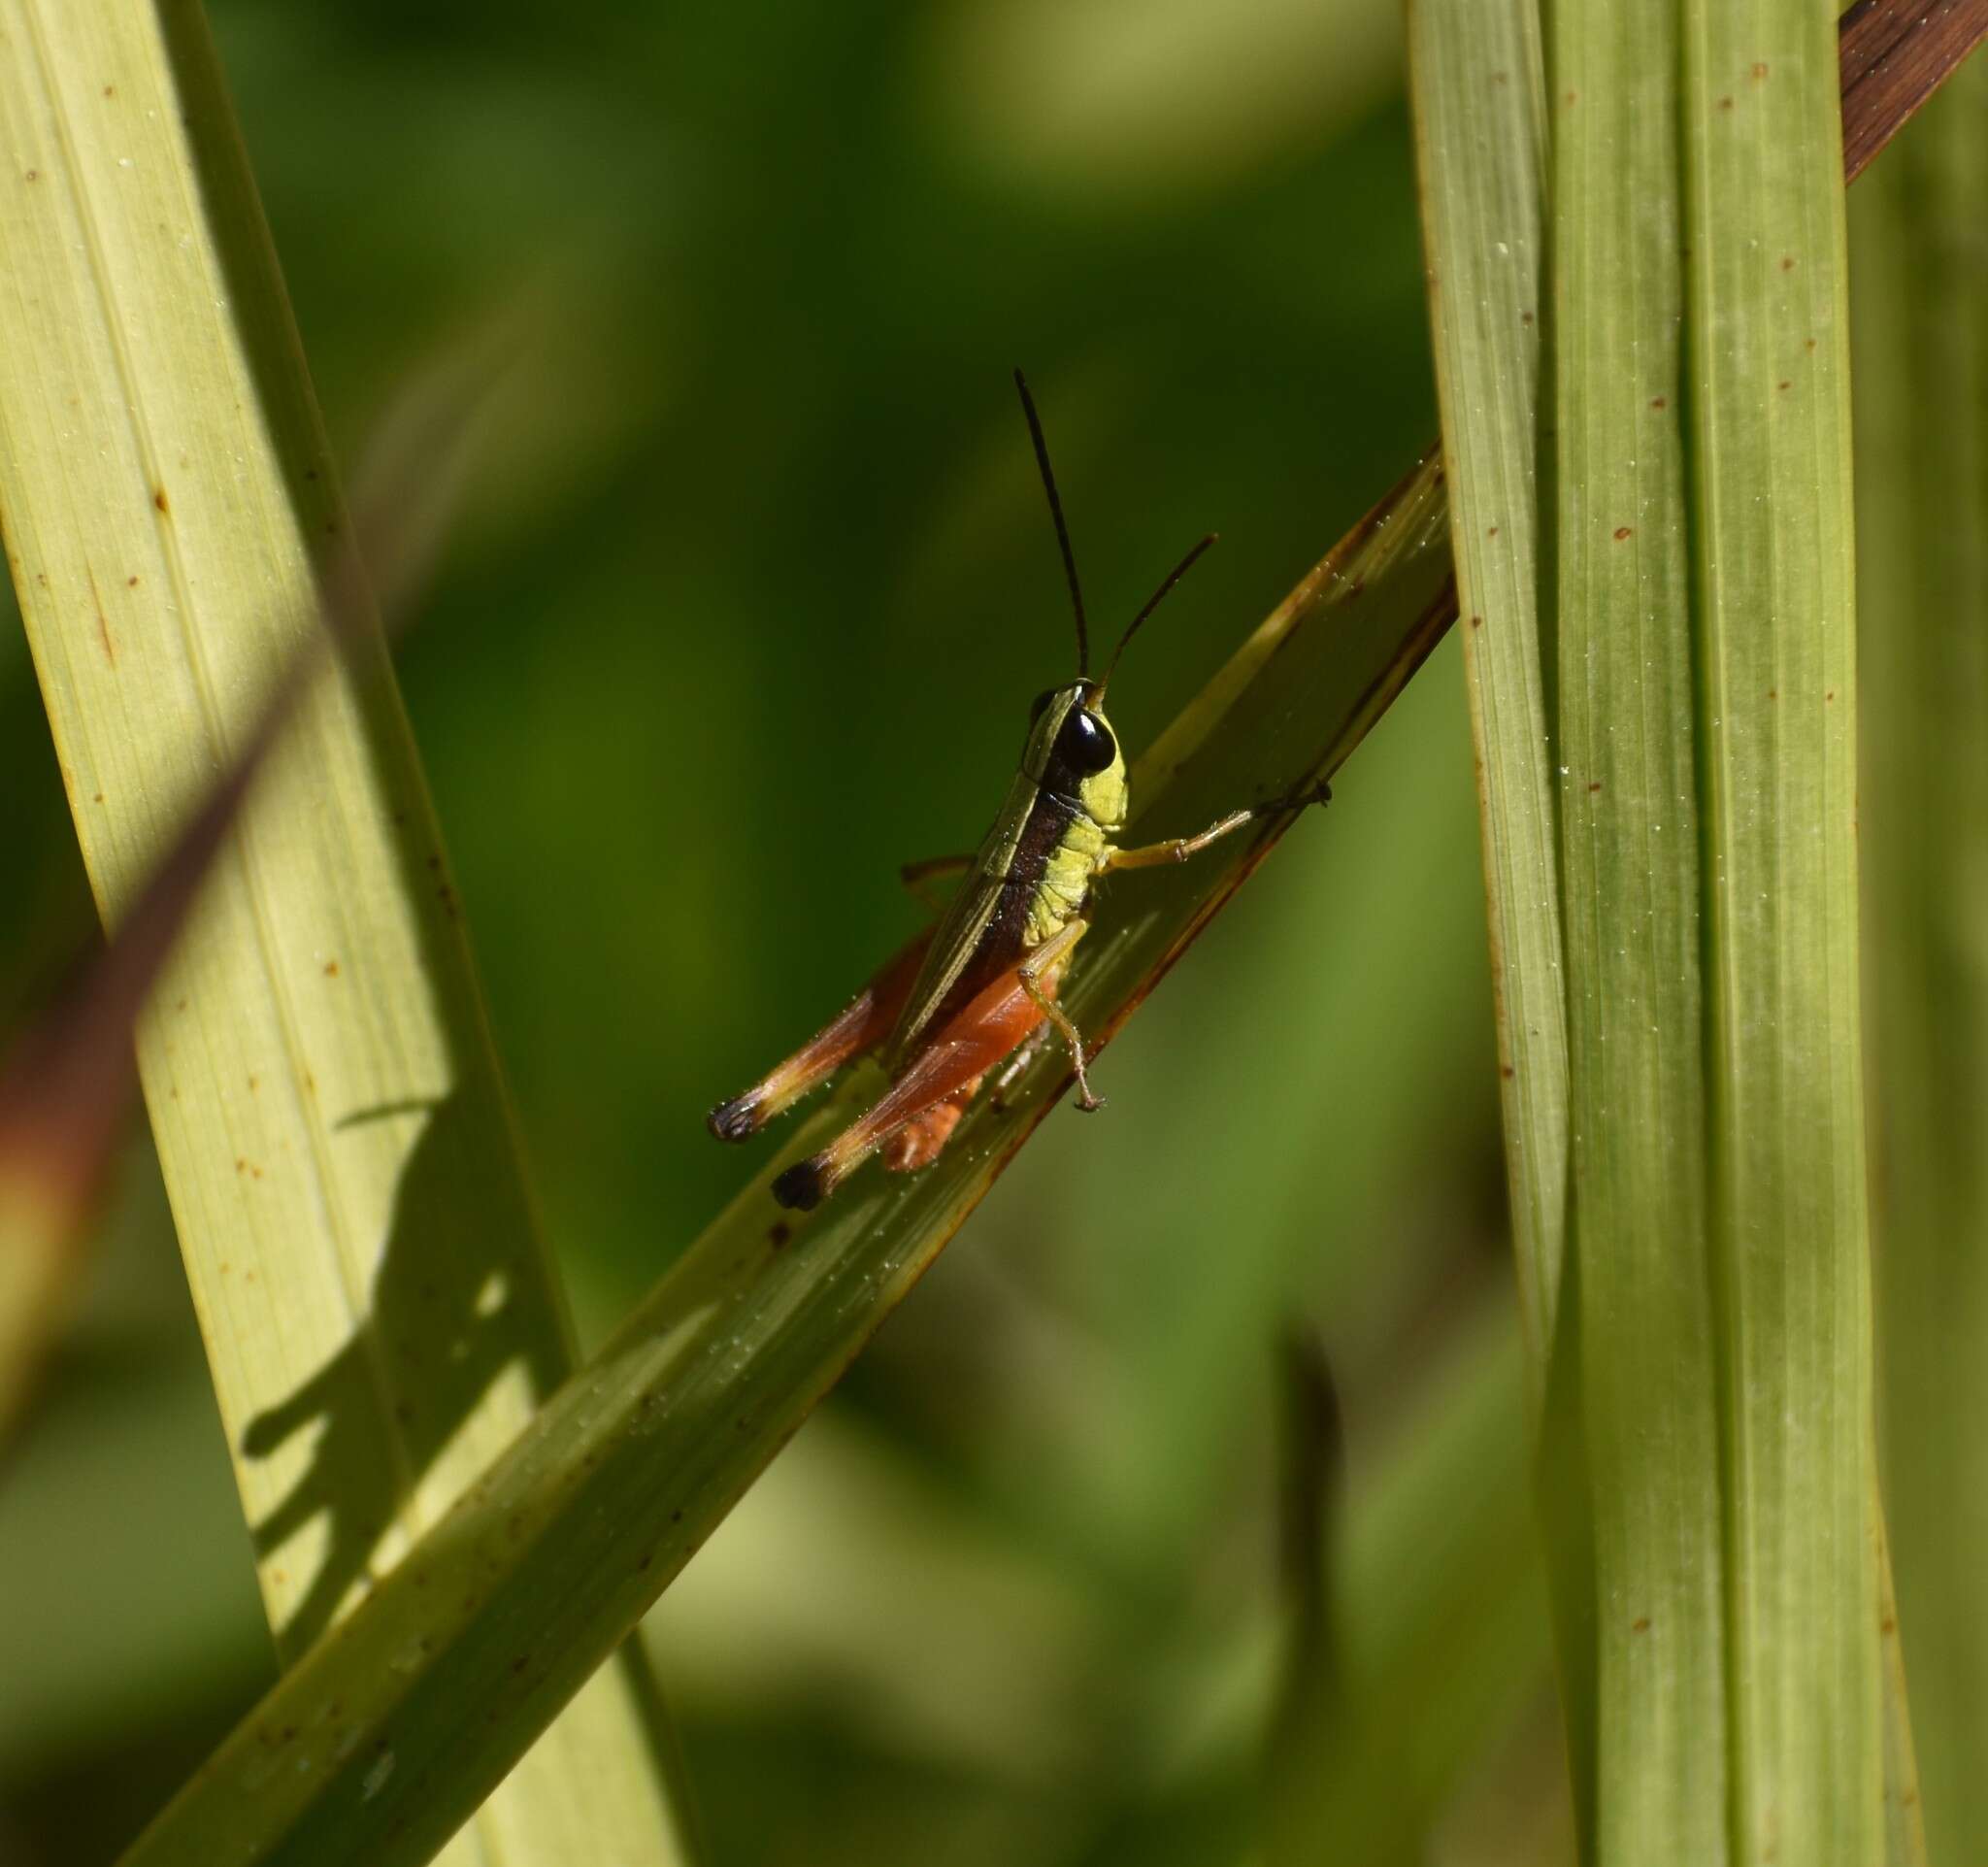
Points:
[(800, 1188), (1318, 791), (735, 1120)]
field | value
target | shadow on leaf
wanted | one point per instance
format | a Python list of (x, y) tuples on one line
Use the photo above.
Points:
[(445, 1321)]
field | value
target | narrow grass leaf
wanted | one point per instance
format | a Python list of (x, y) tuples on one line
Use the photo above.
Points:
[(1770, 523), (1632, 879), (1703, 619), (1478, 87), (1478, 83), (378, 1313)]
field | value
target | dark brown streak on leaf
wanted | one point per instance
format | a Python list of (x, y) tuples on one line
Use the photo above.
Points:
[(65, 1082), (64, 1087), (1894, 55), (96, 598), (63, 1090)]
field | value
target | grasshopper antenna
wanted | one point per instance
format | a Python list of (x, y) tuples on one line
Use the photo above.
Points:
[(1173, 577), (1028, 408)]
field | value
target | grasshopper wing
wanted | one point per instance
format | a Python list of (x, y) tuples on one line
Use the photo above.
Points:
[(977, 938)]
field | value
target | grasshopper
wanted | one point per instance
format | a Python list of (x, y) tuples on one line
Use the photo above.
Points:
[(978, 991)]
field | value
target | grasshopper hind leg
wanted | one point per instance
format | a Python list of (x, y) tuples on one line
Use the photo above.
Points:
[(912, 1121), (923, 1139), (917, 1144), (813, 1064), (861, 1027)]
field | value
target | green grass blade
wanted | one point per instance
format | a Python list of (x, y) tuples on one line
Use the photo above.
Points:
[(1920, 273), (1478, 83), (1632, 883), (1771, 521), (379, 1742), (1717, 1151), (378, 1311), (1709, 871), (1631, 657)]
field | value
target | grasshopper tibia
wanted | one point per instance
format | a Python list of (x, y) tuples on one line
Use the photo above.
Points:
[(941, 1077), (864, 1025)]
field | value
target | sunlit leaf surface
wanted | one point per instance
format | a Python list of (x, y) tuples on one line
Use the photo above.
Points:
[(378, 1314)]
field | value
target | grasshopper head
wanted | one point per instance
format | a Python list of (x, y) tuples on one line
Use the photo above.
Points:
[(1073, 753)]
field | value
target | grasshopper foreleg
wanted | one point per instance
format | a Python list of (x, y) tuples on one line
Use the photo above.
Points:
[(1035, 973), (939, 1079), (1178, 848)]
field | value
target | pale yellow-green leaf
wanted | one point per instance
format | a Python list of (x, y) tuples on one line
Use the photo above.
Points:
[(378, 1311), (1920, 277), (376, 1744)]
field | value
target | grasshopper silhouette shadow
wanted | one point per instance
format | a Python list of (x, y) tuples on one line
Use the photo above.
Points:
[(446, 1319)]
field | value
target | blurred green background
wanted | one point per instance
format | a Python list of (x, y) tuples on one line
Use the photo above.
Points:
[(745, 607)]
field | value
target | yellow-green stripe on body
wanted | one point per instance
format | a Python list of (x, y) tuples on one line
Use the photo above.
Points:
[(1033, 872)]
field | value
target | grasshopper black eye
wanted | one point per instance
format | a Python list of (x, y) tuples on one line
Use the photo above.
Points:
[(1086, 742)]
